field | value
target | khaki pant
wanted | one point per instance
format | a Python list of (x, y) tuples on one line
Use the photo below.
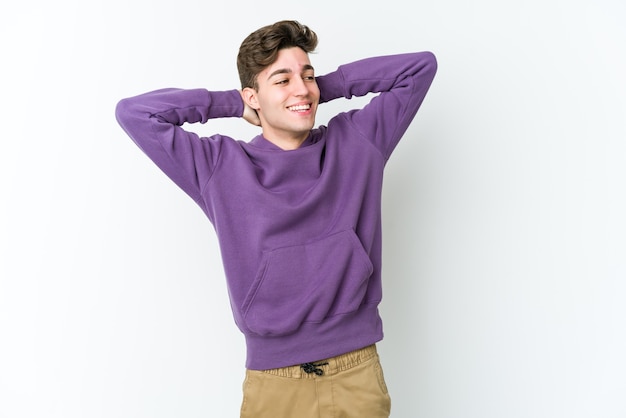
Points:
[(351, 386)]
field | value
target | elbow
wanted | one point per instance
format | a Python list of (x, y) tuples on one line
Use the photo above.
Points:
[(129, 116), (122, 110), (130, 113), (430, 62)]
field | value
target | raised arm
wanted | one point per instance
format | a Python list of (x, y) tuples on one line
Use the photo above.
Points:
[(154, 122), (402, 81)]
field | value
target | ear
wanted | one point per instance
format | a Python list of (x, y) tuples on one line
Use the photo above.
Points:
[(249, 96)]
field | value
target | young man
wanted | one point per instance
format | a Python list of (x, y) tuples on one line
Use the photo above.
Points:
[(297, 211)]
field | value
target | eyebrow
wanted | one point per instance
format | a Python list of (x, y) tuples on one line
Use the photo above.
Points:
[(306, 67)]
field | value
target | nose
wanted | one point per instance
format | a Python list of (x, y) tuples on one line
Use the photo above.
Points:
[(299, 87)]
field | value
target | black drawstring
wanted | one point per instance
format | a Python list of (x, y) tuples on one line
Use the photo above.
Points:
[(313, 368)]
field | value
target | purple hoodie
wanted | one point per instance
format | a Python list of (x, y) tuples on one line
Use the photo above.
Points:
[(300, 230)]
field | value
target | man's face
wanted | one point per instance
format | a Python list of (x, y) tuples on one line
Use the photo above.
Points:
[(287, 97)]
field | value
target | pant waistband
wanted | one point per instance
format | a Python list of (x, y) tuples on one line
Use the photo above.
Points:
[(327, 366)]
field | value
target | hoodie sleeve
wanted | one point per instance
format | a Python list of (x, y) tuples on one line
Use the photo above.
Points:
[(402, 81), (154, 122)]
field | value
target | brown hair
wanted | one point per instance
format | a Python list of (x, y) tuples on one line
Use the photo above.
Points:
[(261, 47)]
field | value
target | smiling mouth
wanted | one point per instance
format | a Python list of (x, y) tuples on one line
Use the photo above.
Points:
[(299, 108)]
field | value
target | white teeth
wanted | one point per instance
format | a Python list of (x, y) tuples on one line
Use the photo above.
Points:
[(299, 107)]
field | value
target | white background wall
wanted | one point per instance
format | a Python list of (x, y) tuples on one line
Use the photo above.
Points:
[(504, 208)]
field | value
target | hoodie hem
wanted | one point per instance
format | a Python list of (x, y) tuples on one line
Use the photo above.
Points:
[(315, 341)]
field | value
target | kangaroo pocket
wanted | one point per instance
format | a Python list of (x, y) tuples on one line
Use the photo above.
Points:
[(307, 283)]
